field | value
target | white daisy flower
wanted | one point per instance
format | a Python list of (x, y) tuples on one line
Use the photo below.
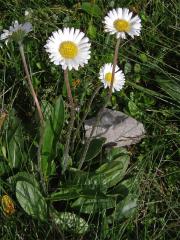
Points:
[(105, 75), (120, 21), (16, 31), (69, 48)]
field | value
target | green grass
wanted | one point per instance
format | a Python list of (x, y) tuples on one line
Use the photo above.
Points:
[(151, 95)]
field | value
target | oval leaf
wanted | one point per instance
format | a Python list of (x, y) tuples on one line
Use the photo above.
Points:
[(113, 172), (126, 207), (23, 176), (31, 200), (70, 222)]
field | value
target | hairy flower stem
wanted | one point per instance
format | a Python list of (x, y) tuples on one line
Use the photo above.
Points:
[(103, 107), (21, 48), (85, 115), (113, 69), (71, 123)]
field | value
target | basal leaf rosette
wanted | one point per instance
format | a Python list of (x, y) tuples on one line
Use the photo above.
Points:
[(69, 48)]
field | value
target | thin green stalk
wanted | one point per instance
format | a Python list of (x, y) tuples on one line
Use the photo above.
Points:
[(85, 115), (71, 123), (104, 106)]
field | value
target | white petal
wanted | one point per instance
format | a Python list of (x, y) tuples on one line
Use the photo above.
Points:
[(115, 13), (76, 33), (119, 10), (79, 37), (71, 34), (125, 13)]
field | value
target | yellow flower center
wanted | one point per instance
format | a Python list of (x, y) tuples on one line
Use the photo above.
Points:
[(108, 77), (121, 25), (68, 49)]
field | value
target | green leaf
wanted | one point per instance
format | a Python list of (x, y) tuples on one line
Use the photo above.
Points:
[(69, 222), (24, 176), (108, 174), (143, 57), (93, 204), (47, 109), (4, 168), (170, 86), (31, 200), (92, 30), (86, 181), (92, 9), (119, 191), (126, 207), (66, 193), (94, 148), (133, 108), (116, 153), (137, 68), (52, 130), (14, 154), (113, 172), (147, 91), (15, 142), (127, 68)]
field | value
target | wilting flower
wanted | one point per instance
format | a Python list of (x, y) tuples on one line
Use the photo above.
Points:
[(16, 32), (3, 116), (76, 83), (69, 48), (105, 76), (7, 205), (120, 21)]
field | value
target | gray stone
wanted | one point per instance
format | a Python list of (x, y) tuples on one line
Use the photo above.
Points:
[(117, 127)]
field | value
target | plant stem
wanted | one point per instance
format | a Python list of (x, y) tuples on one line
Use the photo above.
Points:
[(21, 48), (66, 78), (113, 69), (31, 88), (71, 124), (103, 107), (85, 115)]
